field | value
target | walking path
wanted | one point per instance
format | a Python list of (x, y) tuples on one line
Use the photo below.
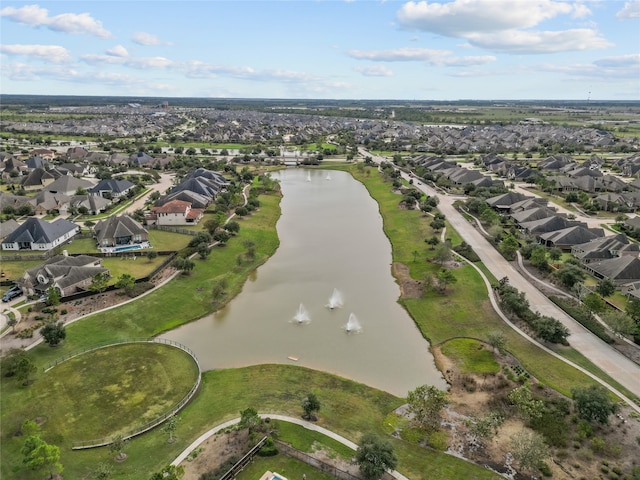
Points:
[(284, 418), (613, 363)]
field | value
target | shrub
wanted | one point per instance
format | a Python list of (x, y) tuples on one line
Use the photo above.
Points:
[(269, 449), (545, 470)]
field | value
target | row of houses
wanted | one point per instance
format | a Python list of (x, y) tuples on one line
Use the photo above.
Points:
[(613, 257), (455, 173), (186, 202)]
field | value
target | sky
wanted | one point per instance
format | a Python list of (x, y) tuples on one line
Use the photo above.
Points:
[(324, 49)]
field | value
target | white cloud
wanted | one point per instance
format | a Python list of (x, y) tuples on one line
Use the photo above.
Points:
[(630, 10), (461, 17), (375, 71), (621, 61), (433, 57), (118, 51), (498, 25), (46, 53), (73, 23), (148, 39), (133, 62), (528, 42)]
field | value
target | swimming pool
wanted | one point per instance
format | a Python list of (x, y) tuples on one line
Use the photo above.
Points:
[(125, 248)]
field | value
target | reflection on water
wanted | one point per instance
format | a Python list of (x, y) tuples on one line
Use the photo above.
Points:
[(330, 238)]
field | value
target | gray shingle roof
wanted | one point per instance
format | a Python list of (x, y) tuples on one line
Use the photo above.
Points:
[(35, 230)]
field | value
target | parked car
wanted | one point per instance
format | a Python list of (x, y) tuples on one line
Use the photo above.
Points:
[(13, 292)]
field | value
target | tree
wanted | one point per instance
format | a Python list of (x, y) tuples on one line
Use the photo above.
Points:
[(232, 227), (432, 242), (203, 251), (529, 450), (99, 282), (445, 277), (375, 456), (53, 333), (621, 323), (170, 427), (152, 254), (555, 254), (487, 426), (437, 224), (442, 254), (53, 296), (538, 258), (102, 471), (184, 264), (126, 282), (606, 287), (593, 403), (497, 340), (38, 455), (551, 330), (24, 368), (594, 302), (118, 445), (509, 246), (528, 407), (425, 404), (169, 472), (570, 274), (249, 418), (221, 236), (310, 404)]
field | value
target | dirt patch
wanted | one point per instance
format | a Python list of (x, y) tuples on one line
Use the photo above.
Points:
[(214, 451), (609, 447), (409, 288)]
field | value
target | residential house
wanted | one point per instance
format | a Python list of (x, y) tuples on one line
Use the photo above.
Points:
[(112, 188), (67, 274), (605, 248), (39, 178), (568, 237), (119, 230), (620, 270), (8, 227), (46, 202), (68, 185), (175, 212), (44, 153), (503, 202), (37, 234), (93, 203)]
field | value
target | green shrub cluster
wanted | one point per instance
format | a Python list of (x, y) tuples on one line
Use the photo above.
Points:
[(583, 316)]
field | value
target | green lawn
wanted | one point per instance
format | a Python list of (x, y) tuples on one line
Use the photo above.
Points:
[(287, 467), (104, 392), (471, 355), (465, 310)]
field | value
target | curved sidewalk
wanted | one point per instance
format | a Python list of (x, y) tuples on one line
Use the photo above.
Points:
[(308, 425)]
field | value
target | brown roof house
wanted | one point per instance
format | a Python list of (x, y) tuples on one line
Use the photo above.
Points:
[(67, 274), (175, 212)]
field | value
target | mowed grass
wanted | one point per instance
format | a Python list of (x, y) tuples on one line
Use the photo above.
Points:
[(465, 310), (348, 408), (285, 466), (471, 356)]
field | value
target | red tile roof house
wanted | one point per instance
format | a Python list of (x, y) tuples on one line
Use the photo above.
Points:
[(175, 212)]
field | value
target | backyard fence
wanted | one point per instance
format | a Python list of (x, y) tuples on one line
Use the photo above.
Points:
[(99, 442), (244, 461)]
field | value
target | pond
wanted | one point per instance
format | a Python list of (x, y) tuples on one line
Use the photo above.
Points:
[(331, 245)]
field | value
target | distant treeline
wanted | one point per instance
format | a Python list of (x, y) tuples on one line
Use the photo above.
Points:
[(44, 101)]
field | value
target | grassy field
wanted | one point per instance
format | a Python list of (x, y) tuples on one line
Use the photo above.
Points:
[(465, 310), (471, 356), (102, 393)]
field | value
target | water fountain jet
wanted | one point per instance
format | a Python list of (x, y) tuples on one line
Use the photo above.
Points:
[(335, 301), (353, 325), (302, 316)]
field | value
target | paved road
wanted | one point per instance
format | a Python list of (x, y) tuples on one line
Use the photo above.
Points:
[(166, 181), (618, 366)]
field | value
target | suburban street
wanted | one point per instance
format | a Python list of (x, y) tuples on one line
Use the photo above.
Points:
[(619, 367)]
